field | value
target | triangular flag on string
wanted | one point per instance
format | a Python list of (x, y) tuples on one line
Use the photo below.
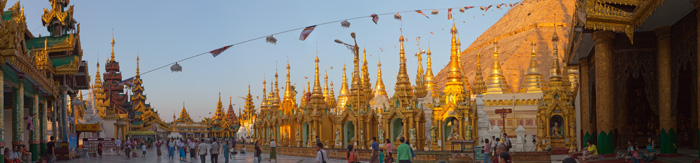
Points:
[(375, 18), (499, 5), (218, 51), (486, 8), (449, 13), (306, 32), (421, 12)]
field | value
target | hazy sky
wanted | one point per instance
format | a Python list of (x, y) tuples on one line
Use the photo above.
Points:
[(161, 32)]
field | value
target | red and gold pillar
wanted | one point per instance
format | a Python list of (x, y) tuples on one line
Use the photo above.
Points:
[(604, 87), (667, 116)]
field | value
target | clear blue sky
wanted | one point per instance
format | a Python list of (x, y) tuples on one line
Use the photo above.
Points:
[(161, 32)]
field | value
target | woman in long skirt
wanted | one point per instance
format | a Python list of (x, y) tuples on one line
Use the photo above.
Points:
[(171, 149), (181, 145), (227, 152), (158, 151)]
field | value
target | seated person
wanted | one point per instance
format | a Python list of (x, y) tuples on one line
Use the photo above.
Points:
[(7, 156), (591, 152), (650, 146)]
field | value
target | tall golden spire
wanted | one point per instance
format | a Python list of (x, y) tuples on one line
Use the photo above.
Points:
[(555, 72), (379, 88), (496, 83), (403, 91), (358, 95), (534, 82), (465, 81), (112, 47), (479, 85), (317, 101), (325, 88), (263, 103), (219, 114), (366, 86), (137, 66), (454, 88), (288, 84), (331, 97), (420, 89), (344, 92), (276, 95), (430, 83), (98, 80)]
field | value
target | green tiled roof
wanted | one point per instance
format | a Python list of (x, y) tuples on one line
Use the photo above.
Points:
[(60, 61), (7, 15), (38, 42)]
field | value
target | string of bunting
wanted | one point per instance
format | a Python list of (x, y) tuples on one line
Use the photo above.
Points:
[(306, 31)]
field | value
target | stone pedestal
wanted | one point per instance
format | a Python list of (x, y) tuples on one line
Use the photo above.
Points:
[(667, 114), (604, 80), (519, 144)]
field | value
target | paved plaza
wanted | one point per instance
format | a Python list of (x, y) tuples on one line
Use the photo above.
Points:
[(111, 157)]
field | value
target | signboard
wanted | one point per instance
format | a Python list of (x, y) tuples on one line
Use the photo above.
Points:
[(107, 144), (140, 133), (72, 141), (504, 111), (479, 155), (87, 127)]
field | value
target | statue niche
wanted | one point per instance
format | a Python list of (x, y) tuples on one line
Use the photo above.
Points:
[(556, 127)]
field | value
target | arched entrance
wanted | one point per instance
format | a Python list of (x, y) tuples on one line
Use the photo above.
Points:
[(305, 133), (447, 126), (396, 128), (348, 132)]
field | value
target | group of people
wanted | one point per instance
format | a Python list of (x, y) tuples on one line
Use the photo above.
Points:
[(633, 153), (195, 147), (500, 147), (130, 146), (19, 153)]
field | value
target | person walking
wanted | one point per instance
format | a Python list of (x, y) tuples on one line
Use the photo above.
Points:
[(181, 148), (403, 153), (118, 145), (227, 152), (214, 151), (321, 155), (127, 149), (171, 149), (273, 150), (389, 157), (159, 153), (143, 149), (375, 151), (257, 154), (51, 150), (506, 141), (487, 151), (202, 150), (192, 146)]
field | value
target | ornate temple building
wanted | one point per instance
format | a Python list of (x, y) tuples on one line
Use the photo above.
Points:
[(221, 125), (145, 117), (187, 127), (109, 99), (41, 75), (638, 70)]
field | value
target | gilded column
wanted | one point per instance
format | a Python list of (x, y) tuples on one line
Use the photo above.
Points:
[(42, 127), (587, 128), (667, 116), (604, 87), (2, 112), (18, 114), (34, 137), (697, 65), (64, 119)]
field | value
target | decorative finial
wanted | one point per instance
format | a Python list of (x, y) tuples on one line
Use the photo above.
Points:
[(112, 45)]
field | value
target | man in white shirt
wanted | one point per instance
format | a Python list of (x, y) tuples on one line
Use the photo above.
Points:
[(321, 156), (192, 146), (118, 144), (202, 150), (214, 151)]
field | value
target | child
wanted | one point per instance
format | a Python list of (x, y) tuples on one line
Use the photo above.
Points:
[(143, 148), (381, 155), (635, 155)]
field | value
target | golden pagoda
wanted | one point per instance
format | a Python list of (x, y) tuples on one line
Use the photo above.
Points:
[(430, 83), (403, 92), (184, 115), (326, 93), (289, 100), (450, 115), (534, 82), (556, 113), (366, 86), (479, 84), (145, 117), (380, 100), (496, 83), (101, 104), (344, 93), (420, 88), (331, 97), (465, 81)]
